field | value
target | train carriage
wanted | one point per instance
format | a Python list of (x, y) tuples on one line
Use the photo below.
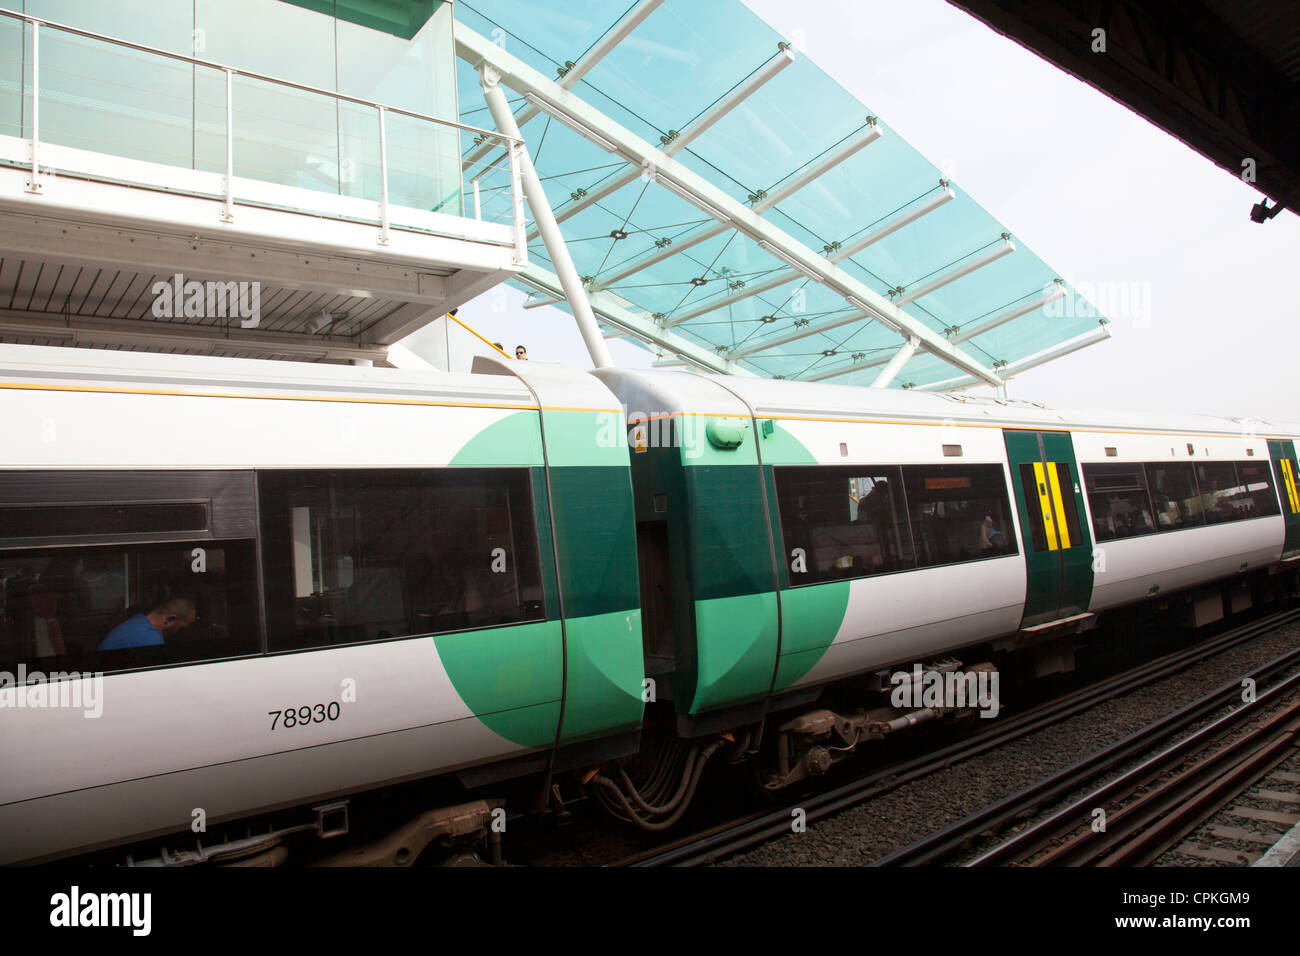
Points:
[(534, 574), (395, 575)]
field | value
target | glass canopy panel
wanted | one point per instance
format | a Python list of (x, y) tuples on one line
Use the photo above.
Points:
[(724, 291)]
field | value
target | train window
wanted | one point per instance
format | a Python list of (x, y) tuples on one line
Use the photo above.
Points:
[(844, 522), (351, 556), (1256, 496), (76, 520), (1174, 496), (82, 552), (1222, 498), (958, 512), (1121, 506), (62, 607)]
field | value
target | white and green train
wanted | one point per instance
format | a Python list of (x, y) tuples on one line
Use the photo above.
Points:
[(540, 575)]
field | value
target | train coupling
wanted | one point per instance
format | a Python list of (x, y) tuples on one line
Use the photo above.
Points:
[(810, 744)]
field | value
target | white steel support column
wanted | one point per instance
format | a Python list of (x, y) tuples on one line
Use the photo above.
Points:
[(901, 358), (708, 197), (576, 295)]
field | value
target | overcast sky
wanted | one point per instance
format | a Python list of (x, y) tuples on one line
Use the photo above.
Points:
[(1108, 200)]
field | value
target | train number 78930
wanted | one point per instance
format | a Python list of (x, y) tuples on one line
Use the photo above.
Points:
[(306, 714)]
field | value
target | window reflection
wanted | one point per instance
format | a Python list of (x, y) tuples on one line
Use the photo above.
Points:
[(852, 522), (371, 555)]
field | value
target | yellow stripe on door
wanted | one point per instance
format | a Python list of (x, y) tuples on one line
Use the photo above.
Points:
[(1062, 526), (1045, 506), (1288, 475)]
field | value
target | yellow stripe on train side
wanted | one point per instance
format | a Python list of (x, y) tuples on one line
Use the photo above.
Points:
[(1045, 506), (1288, 475), (1063, 526)]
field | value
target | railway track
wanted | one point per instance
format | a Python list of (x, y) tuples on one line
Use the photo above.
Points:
[(745, 832), (1149, 809), (1180, 784), (1243, 832)]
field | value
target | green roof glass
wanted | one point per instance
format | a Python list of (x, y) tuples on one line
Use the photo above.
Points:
[(676, 64)]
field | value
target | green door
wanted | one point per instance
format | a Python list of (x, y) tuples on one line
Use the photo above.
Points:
[(1058, 546), (1287, 480)]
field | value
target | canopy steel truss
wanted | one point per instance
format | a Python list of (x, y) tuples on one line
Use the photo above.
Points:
[(678, 330)]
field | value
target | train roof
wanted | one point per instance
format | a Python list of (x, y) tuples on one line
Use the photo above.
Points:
[(676, 391), (99, 369), (511, 384)]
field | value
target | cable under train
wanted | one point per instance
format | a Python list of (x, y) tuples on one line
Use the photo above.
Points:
[(532, 578)]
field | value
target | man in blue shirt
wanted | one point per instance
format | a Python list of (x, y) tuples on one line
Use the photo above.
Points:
[(148, 630)]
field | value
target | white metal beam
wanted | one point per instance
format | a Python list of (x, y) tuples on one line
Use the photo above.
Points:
[(541, 300), (614, 311), (896, 222), (1014, 312), (610, 39), (777, 279), (571, 283), (801, 333), (691, 131), (778, 195), (520, 76), (845, 370), (1006, 247), (1099, 334)]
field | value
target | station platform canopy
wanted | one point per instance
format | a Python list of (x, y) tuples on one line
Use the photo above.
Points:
[(732, 207)]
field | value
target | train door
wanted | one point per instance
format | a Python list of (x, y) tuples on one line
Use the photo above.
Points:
[(1288, 489), (1058, 546)]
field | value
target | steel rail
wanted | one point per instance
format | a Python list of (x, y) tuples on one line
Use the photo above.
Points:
[(739, 834), (955, 837), (1142, 828)]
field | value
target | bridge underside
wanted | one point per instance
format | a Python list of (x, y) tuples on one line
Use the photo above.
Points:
[(1221, 75)]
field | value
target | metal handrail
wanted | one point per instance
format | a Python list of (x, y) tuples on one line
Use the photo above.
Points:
[(132, 45), (512, 144)]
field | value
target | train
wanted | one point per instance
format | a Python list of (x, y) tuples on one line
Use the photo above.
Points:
[(529, 579)]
